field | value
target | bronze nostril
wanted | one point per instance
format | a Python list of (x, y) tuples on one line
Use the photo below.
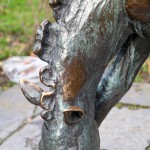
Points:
[(73, 114)]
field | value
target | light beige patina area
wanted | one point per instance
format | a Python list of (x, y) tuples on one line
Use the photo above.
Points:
[(74, 78)]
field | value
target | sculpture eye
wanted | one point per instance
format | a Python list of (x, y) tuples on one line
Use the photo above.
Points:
[(54, 3), (73, 114)]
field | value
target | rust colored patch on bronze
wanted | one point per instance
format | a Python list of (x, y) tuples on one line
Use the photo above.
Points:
[(73, 79), (139, 10)]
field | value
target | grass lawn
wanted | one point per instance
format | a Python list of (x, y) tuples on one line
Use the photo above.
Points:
[(18, 22)]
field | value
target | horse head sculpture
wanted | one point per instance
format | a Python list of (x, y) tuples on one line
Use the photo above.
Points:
[(94, 51)]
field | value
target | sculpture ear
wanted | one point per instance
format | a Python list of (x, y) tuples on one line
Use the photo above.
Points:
[(139, 10), (35, 94), (31, 91), (39, 36)]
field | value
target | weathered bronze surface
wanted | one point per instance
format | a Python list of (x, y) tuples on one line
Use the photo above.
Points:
[(74, 78), (139, 10), (43, 99), (94, 52)]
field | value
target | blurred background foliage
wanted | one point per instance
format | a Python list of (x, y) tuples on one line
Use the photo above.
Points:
[(19, 20)]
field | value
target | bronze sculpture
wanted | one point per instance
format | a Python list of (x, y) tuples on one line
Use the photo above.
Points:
[(93, 51)]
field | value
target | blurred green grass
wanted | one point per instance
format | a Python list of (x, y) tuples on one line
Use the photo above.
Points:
[(15, 14), (144, 73), (18, 22)]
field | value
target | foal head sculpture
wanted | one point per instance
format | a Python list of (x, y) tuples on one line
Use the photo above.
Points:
[(88, 51)]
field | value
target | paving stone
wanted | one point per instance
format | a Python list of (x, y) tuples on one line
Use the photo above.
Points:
[(14, 110), (26, 139), (125, 129), (139, 94)]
